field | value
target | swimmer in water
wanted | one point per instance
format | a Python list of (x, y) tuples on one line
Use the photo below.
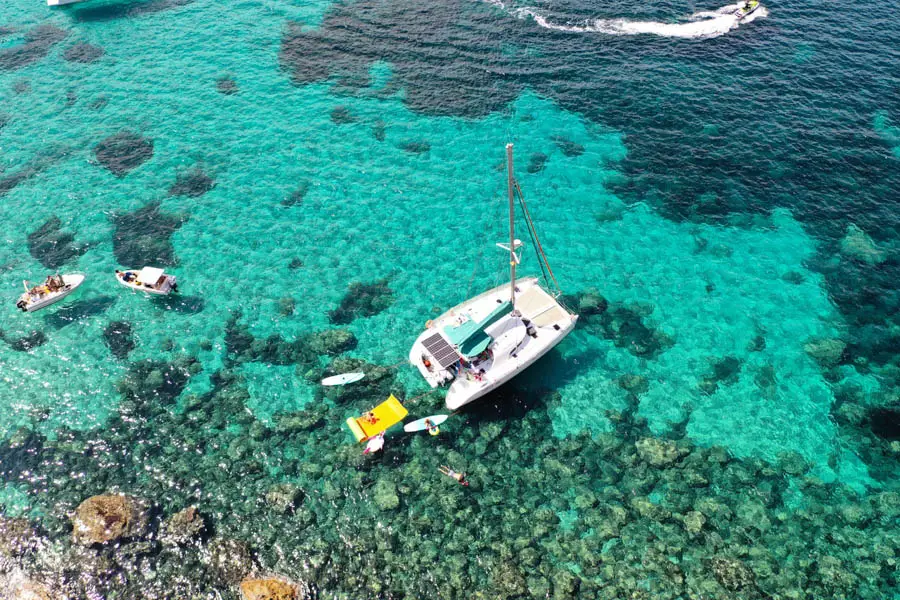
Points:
[(459, 477)]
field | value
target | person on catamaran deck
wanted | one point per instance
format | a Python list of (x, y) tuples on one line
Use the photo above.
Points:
[(459, 477)]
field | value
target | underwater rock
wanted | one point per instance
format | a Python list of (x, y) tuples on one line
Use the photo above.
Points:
[(296, 198), (31, 590), (107, 518), (635, 384), (227, 86), (415, 147), (362, 300), (537, 162), (284, 497), (694, 522), (98, 103), (183, 527), (384, 495), (732, 574), (192, 183), (568, 147), (826, 351), (123, 152), (657, 452), (22, 86), (885, 422), (158, 382), (268, 589), (332, 342), (296, 263), (724, 370), (286, 306), (4, 120), (143, 237), (298, 421), (231, 559), (83, 53), (341, 115), (793, 463), (378, 130), (52, 246), (857, 244), (37, 44), (71, 98), (25, 343), (591, 303), (17, 536)]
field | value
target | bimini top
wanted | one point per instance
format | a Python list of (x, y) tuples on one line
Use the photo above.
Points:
[(470, 336), (150, 275)]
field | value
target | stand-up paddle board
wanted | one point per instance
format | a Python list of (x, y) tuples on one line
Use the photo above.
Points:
[(343, 379), (420, 424)]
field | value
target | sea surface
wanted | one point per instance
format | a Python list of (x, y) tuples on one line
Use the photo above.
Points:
[(719, 200)]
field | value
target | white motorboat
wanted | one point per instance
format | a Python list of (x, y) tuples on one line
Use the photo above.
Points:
[(482, 343), (151, 280), (54, 289)]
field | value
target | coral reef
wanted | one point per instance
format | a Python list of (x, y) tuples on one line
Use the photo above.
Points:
[(296, 197), (227, 86), (362, 300), (123, 152), (120, 339), (192, 183), (83, 53), (37, 44), (52, 246), (142, 237), (415, 146), (341, 115)]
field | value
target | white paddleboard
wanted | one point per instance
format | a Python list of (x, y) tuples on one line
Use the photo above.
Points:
[(420, 424), (343, 378)]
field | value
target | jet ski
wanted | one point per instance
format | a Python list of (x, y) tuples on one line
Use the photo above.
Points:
[(748, 8)]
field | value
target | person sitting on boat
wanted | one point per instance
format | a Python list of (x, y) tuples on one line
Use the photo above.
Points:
[(459, 477)]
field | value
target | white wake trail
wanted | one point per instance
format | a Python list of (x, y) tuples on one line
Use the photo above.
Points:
[(700, 25)]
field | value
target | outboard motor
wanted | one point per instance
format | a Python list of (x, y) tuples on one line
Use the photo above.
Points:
[(530, 328), (21, 304)]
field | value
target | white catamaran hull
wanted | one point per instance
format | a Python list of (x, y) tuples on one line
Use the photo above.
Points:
[(72, 282), (512, 351)]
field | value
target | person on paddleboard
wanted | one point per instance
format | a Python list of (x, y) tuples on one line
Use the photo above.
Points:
[(431, 427)]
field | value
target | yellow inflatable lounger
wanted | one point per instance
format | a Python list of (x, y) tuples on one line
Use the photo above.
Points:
[(388, 413)]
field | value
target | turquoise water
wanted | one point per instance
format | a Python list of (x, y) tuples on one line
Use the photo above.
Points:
[(729, 190)]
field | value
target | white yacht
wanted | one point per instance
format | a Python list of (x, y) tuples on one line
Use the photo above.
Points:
[(482, 343)]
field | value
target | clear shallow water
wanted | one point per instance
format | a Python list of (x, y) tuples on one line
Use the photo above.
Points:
[(702, 186)]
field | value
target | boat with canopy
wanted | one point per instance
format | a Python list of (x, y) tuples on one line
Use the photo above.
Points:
[(480, 344), (151, 280)]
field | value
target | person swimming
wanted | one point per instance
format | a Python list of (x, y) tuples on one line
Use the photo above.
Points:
[(459, 477)]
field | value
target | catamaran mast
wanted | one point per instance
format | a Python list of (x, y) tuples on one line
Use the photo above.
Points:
[(512, 226)]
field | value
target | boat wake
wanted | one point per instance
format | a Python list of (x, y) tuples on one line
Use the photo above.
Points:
[(699, 25)]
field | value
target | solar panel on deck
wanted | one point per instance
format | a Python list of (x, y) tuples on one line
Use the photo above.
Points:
[(442, 352)]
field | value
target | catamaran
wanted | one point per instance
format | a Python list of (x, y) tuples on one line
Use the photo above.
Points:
[(482, 343)]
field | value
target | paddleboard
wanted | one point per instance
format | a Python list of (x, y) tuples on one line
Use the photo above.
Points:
[(343, 379), (420, 424)]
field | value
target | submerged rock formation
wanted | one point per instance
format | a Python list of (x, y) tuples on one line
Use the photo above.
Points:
[(268, 589), (362, 300), (143, 237), (107, 518), (123, 152), (52, 246)]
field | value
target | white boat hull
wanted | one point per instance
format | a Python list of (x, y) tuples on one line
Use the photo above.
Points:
[(140, 286), (72, 282), (61, 2), (512, 349)]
